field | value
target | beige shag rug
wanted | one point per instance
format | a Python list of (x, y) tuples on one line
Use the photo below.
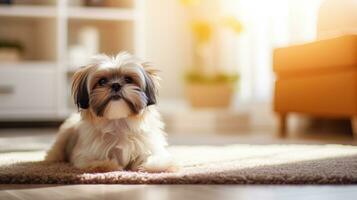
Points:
[(234, 164)]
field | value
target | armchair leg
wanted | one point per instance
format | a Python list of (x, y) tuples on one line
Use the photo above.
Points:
[(354, 126), (283, 125)]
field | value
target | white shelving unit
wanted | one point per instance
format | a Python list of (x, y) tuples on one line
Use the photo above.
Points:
[(38, 86), (112, 14), (40, 11)]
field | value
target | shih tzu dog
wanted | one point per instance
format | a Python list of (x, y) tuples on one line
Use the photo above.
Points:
[(118, 126)]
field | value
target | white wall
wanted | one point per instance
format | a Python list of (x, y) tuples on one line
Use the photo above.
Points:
[(168, 42), (337, 18)]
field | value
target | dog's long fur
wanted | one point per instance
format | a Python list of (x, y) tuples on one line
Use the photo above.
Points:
[(118, 126)]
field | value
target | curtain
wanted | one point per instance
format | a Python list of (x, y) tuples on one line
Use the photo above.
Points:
[(268, 24)]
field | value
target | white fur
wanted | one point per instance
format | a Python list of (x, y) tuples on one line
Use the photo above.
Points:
[(117, 110), (125, 143)]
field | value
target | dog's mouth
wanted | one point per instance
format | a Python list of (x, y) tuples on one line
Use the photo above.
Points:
[(115, 97), (101, 108)]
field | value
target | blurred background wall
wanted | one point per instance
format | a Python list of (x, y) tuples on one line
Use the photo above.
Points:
[(168, 43)]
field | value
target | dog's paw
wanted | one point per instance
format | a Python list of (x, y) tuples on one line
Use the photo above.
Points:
[(158, 163), (103, 166)]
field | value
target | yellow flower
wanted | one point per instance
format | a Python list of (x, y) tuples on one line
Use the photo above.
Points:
[(190, 2), (232, 23), (202, 31)]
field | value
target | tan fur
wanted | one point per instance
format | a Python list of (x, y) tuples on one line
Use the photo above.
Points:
[(97, 143)]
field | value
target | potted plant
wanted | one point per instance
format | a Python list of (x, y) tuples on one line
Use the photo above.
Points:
[(208, 83), (210, 91)]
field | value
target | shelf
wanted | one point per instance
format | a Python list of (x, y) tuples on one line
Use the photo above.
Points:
[(45, 11), (101, 13), (35, 11), (47, 30), (28, 64)]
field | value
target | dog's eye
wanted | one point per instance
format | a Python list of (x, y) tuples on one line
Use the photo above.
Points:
[(102, 81), (128, 79)]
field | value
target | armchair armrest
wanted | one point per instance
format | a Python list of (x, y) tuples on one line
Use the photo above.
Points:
[(316, 56)]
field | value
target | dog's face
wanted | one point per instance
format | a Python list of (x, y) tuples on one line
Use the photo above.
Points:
[(116, 87)]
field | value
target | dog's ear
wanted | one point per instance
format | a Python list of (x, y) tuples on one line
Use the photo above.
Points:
[(79, 88), (150, 91), (152, 83)]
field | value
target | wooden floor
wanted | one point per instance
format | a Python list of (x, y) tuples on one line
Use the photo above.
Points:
[(176, 192), (35, 139)]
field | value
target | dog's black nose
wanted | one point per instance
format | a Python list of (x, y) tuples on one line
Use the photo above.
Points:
[(116, 87)]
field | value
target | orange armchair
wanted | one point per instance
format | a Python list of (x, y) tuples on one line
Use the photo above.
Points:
[(318, 78)]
